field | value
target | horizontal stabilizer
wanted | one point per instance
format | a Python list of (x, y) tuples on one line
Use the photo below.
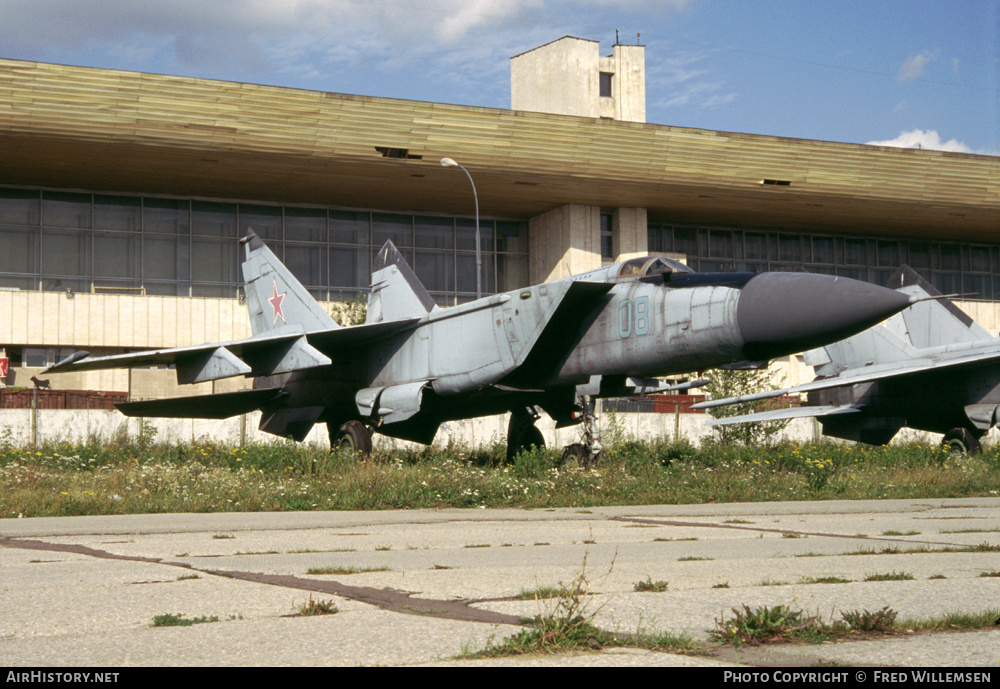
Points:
[(782, 414), (219, 406), (294, 423)]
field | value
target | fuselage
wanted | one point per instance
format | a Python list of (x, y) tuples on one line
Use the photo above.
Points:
[(623, 320)]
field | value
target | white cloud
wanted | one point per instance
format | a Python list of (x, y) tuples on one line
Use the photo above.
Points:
[(244, 38), (683, 80), (914, 67), (919, 138)]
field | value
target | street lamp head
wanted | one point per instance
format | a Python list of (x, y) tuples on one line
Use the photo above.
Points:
[(448, 162)]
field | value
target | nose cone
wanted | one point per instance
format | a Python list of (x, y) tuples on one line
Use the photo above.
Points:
[(784, 313)]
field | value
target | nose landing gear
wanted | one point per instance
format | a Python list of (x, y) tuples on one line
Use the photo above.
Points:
[(585, 454)]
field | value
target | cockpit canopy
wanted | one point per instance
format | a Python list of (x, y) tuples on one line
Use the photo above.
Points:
[(634, 269)]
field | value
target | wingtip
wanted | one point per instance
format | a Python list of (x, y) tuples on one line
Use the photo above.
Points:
[(71, 359)]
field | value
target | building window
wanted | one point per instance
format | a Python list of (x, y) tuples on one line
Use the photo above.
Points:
[(950, 267), (186, 248), (606, 78), (607, 238)]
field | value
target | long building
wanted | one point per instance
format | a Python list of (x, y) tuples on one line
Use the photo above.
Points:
[(123, 196)]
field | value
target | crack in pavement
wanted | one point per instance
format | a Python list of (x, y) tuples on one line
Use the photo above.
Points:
[(744, 527), (392, 600)]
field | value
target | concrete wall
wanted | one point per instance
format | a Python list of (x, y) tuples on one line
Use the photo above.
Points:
[(563, 242), (628, 101), (559, 78), (631, 235), (21, 428), (53, 319), (567, 240), (563, 78)]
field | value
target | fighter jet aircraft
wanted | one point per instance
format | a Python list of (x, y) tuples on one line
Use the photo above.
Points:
[(930, 367), (554, 346)]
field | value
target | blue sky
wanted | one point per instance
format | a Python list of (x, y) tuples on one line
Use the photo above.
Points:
[(898, 72)]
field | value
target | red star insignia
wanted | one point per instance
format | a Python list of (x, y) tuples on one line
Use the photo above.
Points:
[(276, 304)]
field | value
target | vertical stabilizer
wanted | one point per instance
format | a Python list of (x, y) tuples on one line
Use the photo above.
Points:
[(872, 347), (932, 323), (275, 298), (396, 291)]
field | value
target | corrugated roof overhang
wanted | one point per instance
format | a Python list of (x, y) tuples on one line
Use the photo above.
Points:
[(95, 129)]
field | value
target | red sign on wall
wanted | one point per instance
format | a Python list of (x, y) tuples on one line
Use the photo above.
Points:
[(4, 363)]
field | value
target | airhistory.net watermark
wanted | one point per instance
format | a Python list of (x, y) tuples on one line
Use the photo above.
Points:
[(33, 676)]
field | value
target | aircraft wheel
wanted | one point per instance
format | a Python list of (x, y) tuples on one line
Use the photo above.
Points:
[(961, 441), (577, 455), (353, 438), (523, 439)]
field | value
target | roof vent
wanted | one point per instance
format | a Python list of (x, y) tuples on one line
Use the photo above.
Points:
[(776, 182), (397, 153)]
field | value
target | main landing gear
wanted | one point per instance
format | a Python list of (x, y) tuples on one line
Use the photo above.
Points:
[(961, 441), (353, 438), (522, 434)]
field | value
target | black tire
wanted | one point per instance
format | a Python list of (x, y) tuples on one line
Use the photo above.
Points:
[(352, 438), (577, 455), (961, 441), (523, 439)]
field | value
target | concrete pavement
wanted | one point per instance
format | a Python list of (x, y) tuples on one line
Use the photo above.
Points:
[(427, 584)]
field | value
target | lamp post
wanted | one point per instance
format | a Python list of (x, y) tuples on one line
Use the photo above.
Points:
[(448, 162)]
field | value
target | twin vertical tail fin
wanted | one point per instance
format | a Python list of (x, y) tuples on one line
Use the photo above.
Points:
[(275, 299), (932, 322), (396, 291)]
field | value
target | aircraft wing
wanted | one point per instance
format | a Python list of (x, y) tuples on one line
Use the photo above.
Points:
[(278, 351), (559, 334), (782, 414), (873, 373)]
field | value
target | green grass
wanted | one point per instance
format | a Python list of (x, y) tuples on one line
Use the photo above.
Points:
[(985, 619), (891, 576), (781, 623), (650, 586), (174, 620), (539, 593), (345, 570), (129, 478), (824, 580), (312, 607), (759, 625), (568, 626), (983, 547)]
